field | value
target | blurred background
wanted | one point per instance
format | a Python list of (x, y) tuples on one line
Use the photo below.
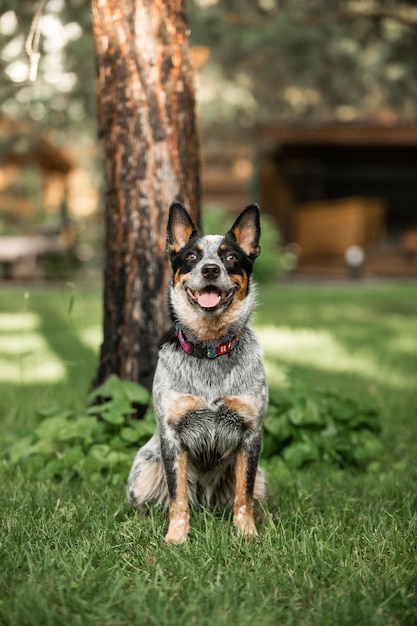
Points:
[(309, 108)]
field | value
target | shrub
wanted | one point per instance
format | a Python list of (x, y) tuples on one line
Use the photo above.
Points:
[(299, 428), (305, 426), (98, 443)]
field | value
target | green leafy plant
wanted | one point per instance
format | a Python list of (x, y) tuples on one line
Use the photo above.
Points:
[(299, 428), (97, 443), (302, 427)]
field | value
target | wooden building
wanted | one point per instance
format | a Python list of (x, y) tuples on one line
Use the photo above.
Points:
[(333, 188), (33, 187)]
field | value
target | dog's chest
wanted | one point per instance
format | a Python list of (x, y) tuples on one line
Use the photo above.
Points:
[(210, 436), (206, 378), (238, 373)]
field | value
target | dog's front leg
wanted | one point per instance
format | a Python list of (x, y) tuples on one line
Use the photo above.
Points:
[(244, 409), (175, 463), (175, 407), (246, 465)]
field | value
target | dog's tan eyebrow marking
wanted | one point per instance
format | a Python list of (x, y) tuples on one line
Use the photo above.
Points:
[(200, 247), (224, 247), (176, 405)]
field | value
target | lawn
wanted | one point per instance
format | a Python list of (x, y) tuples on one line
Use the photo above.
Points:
[(335, 546)]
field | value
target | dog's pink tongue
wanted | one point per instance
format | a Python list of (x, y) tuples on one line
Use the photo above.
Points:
[(208, 299)]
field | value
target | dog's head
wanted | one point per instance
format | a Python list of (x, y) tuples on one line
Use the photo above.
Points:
[(210, 289)]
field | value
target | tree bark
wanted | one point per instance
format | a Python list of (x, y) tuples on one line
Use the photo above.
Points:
[(145, 108)]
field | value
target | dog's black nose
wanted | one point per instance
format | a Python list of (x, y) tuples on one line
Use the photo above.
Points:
[(210, 271)]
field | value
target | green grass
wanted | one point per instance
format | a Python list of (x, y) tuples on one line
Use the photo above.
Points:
[(335, 546)]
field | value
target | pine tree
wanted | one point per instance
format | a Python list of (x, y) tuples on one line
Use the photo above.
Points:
[(145, 107)]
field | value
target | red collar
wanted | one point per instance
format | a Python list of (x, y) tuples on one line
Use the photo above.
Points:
[(202, 351)]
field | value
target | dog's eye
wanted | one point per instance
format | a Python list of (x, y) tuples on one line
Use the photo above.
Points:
[(231, 257), (191, 256)]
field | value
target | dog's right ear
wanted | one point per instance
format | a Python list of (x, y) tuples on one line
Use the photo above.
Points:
[(180, 228)]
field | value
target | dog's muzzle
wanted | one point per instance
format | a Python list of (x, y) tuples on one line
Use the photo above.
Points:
[(210, 297)]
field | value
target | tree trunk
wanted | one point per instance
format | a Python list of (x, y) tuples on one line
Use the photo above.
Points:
[(145, 107)]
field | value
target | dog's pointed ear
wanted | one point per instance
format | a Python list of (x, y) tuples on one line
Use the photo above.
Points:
[(180, 228), (247, 231)]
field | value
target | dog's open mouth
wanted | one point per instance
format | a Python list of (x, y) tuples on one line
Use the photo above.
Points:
[(210, 297)]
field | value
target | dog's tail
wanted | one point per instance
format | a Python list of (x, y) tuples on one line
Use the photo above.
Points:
[(261, 486), (146, 483)]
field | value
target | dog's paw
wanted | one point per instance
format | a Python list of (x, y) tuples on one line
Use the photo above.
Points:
[(245, 524), (178, 532), (248, 531), (176, 538)]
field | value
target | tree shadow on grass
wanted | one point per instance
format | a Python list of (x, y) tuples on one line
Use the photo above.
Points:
[(62, 336), (358, 342), (370, 331), (43, 359)]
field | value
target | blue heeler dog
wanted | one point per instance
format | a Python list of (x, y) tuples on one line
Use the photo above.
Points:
[(210, 392)]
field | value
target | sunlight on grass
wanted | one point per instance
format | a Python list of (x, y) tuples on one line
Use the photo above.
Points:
[(92, 336), (38, 368), (275, 374), (405, 345), (21, 344), (18, 322), (320, 349), (24, 354)]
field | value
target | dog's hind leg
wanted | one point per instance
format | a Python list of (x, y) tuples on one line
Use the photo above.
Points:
[(146, 483)]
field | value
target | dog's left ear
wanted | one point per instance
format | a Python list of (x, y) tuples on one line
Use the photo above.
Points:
[(180, 228), (247, 231)]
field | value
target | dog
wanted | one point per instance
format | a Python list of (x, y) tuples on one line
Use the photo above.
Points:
[(209, 391)]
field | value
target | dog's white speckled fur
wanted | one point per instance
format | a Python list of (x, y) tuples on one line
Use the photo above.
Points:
[(209, 411)]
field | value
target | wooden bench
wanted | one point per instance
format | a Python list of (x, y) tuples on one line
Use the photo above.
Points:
[(19, 254)]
